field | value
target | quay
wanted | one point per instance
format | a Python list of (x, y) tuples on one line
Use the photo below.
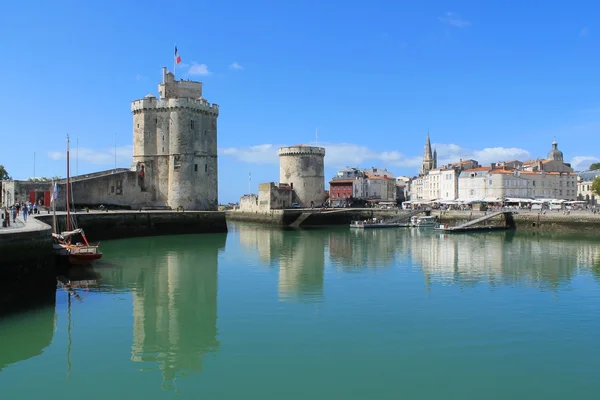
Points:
[(576, 221)]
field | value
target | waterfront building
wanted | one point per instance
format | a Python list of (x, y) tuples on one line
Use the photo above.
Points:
[(584, 186), (371, 184)]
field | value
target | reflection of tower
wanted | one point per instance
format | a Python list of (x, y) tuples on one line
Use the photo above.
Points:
[(301, 266), (303, 168), (266, 241), (429, 158), (175, 306)]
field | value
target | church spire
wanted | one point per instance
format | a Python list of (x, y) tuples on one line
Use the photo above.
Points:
[(428, 157)]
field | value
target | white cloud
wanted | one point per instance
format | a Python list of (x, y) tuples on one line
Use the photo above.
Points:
[(97, 157), (584, 32), (340, 155), (452, 18), (236, 66), (581, 163), (198, 69)]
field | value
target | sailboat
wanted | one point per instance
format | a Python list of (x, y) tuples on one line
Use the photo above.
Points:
[(78, 252)]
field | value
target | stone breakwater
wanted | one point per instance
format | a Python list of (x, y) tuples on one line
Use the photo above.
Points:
[(525, 220)]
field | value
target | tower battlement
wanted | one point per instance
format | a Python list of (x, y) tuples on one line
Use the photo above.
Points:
[(301, 150), (152, 103)]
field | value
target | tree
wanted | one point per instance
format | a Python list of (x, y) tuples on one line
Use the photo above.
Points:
[(3, 174), (595, 166), (596, 186)]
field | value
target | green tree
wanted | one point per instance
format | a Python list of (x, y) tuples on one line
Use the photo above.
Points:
[(595, 166), (3, 173), (596, 186)]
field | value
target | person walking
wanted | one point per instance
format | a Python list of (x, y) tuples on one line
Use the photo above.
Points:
[(25, 210), (13, 211)]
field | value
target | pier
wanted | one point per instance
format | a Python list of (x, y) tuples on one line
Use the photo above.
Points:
[(476, 224)]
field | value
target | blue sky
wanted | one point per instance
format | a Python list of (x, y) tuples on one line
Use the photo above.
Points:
[(489, 80)]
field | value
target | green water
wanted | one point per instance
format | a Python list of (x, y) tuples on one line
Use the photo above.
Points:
[(322, 314)]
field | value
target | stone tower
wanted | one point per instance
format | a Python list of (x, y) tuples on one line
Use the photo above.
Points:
[(429, 158), (175, 145), (303, 168)]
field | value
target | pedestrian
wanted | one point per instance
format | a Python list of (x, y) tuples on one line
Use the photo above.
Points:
[(25, 211), (13, 211)]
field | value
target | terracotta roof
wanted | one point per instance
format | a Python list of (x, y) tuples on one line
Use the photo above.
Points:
[(369, 176), (341, 181), (477, 169)]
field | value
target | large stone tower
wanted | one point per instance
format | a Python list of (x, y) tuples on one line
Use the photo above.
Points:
[(175, 145), (303, 168)]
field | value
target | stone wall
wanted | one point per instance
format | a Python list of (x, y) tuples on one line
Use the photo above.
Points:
[(249, 203), (27, 272), (125, 224), (18, 191), (121, 190)]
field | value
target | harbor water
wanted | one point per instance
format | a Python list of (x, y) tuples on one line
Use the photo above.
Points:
[(334, 313)]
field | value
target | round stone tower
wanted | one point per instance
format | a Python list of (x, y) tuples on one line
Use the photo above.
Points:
[(302, 167)]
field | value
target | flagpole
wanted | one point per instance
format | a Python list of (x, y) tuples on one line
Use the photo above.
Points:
[(316, 136), (249, 182), (174, 61)]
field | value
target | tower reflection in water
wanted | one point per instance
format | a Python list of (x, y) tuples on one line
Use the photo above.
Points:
[(174, 302), (299, 254)]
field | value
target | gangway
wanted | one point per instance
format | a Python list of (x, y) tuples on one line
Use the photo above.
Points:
[(509, 223)]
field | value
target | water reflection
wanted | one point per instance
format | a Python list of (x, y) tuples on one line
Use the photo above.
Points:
[(544, 261), (300, 256), (174, 288), (26, 335), (358, 249)]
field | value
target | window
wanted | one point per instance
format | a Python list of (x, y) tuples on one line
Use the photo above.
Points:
[(195, 167), (156, 120), (205, 167), (138, 125), (192, 124)]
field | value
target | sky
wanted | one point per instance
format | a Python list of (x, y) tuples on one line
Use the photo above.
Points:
[(488, 80)]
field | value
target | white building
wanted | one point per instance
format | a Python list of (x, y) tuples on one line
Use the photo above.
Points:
[(584, 186)]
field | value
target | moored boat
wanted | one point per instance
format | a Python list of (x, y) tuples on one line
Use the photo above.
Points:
[(423, 221), (374, 223), (75, 253)]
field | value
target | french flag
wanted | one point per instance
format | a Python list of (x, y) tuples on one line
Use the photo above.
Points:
[(177, 58)]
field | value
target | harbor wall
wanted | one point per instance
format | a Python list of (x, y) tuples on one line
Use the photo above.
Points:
[(126, 224), (525, 220), (27, 270)]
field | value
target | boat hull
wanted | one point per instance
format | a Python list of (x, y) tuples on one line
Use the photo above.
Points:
[(84, 258)]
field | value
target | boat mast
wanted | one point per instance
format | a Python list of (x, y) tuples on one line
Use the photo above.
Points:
[(53, 208), (67, 187)]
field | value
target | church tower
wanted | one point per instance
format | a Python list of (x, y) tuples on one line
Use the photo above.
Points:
[(429, 158)]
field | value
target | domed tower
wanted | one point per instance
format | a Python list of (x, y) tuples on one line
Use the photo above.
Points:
[(555, 154), (175, 145), (303, 168)]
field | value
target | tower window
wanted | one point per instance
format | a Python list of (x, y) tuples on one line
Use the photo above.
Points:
[(156, 120), (205, 167), (196, 167), (138, 125), (192, 124)]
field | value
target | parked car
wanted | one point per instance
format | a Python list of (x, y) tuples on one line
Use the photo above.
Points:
[(295, 205)]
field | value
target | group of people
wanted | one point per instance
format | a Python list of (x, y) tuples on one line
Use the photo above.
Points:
[(19, 209)]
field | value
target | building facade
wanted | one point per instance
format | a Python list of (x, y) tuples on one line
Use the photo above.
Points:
[(584, 186), (372, 184)]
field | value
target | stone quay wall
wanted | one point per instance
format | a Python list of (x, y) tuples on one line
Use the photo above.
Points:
[(524, 220), (126, 224), (27, 270)]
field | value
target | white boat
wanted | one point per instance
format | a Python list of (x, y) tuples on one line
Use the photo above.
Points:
[(374, 223), (423, 221)]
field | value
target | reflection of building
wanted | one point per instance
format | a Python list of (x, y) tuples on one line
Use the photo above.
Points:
[(175, 304), (358, 249), (498, 258), (300, 255)]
